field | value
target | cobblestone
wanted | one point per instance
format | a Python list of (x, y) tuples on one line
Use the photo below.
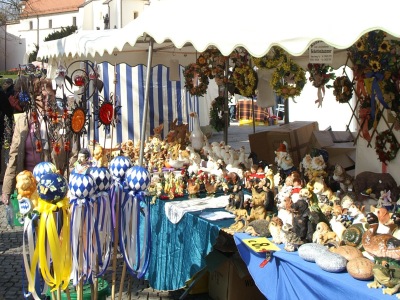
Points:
[(12, 274)]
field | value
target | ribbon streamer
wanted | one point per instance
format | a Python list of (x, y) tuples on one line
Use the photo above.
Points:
[(365, 115), (376, 91), (28, 247), (82, 225), (320, 95), (102, 232), (135, 239), (53, 244)]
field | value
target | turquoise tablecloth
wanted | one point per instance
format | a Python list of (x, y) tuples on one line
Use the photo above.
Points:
[(287, 276), (178, 251)]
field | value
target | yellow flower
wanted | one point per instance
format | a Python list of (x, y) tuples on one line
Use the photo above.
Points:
[(375, 65), (385, 46), (360, 45)]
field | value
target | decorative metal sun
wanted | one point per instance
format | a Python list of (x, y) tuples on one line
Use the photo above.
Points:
[(107, 113)]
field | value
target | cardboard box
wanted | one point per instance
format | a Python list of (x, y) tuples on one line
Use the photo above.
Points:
[(339, 145), (232, 281), (297, 135)]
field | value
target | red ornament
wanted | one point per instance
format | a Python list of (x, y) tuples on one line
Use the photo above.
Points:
[(57, 148), (67, 146), (106, 113), (38, 146), (79, 80)]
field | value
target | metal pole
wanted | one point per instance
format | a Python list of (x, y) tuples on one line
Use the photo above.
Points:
[(5, 47), (226, 106), (146, 102)]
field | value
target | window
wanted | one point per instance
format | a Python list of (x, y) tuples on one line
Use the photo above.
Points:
[(50, 23), (30, 25), (135, 14), (73, 21)]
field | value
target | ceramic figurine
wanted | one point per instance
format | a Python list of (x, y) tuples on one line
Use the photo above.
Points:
[(196, 136), (275, 228), (302, 225), (323, 234), (386, 275), (258, 228), (380, 245), (291, 240)]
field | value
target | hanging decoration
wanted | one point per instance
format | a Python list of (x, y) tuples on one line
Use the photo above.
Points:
[(213, 62), (217, 114), (196, 79), (386, 146), (372, 56), (135, 235), (272, 59), (320, 74), (245, 80), (288, 80), (343, 89), (52, 251)]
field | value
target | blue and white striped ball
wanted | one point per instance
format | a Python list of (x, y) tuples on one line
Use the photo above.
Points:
[(52, 187), (138, 178), (119, 165), (42, 168), (102, 178), (81, 185)]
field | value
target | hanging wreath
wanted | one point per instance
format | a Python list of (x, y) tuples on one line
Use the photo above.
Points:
[(343, 89), (288, 80), (213, 61), (274, 58), (217, 114), (386, 146), (245, 80), (196, 79)]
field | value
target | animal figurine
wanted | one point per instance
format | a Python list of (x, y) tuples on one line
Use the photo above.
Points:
[(291, 240), (345, 180), (26, 187), (258, 228), (302, 225), (385, 201), (284, 204), (356, 214), (275, 227), (375, 182), (259, 201), (386, 275), (240, 220), (380, 245), (323, 234), (99, 158)]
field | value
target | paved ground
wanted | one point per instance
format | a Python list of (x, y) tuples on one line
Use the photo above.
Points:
[(11, 273)]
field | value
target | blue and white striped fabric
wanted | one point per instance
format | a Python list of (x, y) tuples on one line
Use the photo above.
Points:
[(168, 100)]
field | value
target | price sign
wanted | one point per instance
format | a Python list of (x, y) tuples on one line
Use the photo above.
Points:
[(261, 244)]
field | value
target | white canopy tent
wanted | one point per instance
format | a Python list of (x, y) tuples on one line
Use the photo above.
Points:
[(186, 26)]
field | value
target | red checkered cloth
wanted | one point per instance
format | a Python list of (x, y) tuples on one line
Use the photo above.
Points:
[(244, 112)]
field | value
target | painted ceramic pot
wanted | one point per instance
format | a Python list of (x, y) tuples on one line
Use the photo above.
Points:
[(137, 178), (118, 167), (102, 178), (52, 187), (42, 168), (81, 185)]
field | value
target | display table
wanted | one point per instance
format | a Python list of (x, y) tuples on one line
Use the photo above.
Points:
[(287, 276), (244, 112), (178, 251)]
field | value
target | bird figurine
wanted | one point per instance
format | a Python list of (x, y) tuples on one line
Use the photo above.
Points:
[(380, 245), (291, 240), (275, 228)]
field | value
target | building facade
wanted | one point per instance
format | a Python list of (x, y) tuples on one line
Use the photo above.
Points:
[(39, 18)]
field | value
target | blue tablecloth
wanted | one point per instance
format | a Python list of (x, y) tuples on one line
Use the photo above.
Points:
[(287, 276), (179, 250)]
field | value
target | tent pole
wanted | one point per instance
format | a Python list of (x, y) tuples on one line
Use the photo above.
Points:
[(226, 106), (146, 102)]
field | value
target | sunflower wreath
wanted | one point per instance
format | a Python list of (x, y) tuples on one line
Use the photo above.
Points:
[(245, 80), (288, 80), (343, 89), (386, 146), (190, 73), (271, 60), (217, 114)]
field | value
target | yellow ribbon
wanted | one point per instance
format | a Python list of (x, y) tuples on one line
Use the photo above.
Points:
[(59, 248)]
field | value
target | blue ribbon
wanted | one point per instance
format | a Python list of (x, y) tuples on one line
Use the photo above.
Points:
[(376, 91), (143, 249)]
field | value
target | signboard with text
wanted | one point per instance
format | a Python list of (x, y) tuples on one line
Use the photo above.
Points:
[(320, 53)]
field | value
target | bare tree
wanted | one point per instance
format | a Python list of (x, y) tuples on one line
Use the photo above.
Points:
[(9, 10)]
